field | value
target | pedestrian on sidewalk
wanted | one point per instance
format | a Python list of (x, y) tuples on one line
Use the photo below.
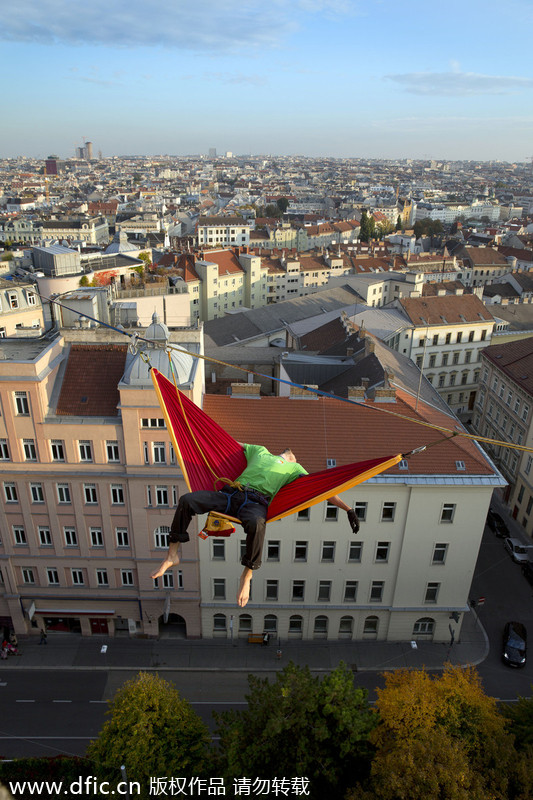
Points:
[(43, 639)]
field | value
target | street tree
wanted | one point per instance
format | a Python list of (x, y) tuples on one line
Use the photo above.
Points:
[(152, 731), (300, 726), (438, 737)]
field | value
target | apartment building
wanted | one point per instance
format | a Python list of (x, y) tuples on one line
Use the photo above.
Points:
[(503, 411), (91, 230), (223, 231), (445, 337), (407, 571), (21, 311), (89, 484)]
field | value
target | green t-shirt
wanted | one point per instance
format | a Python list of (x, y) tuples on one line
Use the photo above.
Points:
[(267, 473)]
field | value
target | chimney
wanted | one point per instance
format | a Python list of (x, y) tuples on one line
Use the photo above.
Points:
[(370, 346), (249, 391), (356, 393), (385, 395), (302, 393)]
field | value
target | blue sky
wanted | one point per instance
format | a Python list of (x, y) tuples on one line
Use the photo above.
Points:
[(343, 78)]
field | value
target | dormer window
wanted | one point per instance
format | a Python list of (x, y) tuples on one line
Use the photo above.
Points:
[(331, 462), (404, 464), (13, 300), (460, 466)]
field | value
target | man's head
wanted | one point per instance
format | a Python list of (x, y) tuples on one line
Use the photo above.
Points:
[(288, 455)]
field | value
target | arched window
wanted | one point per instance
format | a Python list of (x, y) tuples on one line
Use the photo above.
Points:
[(219, 625), (320, 630), (371, 627), (296, 626), (346, 628), (245, 624), (270, 624), (424, 628)]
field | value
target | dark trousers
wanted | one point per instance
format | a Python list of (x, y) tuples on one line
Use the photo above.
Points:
[(251, 515)]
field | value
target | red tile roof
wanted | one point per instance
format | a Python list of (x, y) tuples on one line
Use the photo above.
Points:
[(450, 309), (90, 384), (317, 429)]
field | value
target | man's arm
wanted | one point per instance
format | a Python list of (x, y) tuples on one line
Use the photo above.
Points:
[(352, 516)]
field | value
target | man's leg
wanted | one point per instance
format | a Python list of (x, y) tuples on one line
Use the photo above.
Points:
[(189, 504), (253, 519)]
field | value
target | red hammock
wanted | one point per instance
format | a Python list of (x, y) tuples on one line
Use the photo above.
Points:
[(208, 454)]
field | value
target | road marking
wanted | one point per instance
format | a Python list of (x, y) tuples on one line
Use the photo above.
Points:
[(30, 736), (218, 702), (61, 701), (98, 701), (3, 683), (25, 701)]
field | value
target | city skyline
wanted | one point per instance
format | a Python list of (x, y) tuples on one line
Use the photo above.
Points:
[(313, 78)]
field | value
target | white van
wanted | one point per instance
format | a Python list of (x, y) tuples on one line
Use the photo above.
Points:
[(519, 552)]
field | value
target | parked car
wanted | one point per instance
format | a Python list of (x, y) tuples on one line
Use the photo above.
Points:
[(514, 646), (496, 523), (519, 552), (527, 569)]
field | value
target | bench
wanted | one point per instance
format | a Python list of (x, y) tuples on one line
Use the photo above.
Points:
[(258, 638)]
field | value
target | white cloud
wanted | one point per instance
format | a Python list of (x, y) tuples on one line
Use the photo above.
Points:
[(218, 25), (459, 84)]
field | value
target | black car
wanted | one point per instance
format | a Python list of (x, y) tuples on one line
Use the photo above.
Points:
[(496, 523), (514, 644)]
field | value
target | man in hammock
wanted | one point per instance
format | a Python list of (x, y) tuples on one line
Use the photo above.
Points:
[(264, 476)]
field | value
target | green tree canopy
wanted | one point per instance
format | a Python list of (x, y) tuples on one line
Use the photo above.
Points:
[(300, 726), (283, 204), (153, 732)]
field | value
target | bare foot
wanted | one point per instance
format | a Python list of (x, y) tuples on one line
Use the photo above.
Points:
[(172, 559), (243, 594)]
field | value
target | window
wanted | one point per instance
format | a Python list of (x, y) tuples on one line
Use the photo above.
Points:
[(63, 493), (218, 550), (28, 575), (13, 300), (122, 536), (101, 577), (158, 453), (424, 626), (448, 338), (45, 537), (468, 356), (19, 535), (273, 550), (371, 626), (435, 339), (270, 624), (529, 462), (71, 539), (525, 411), (52, 576), (154, 422), (168, 580), (432, 360), (298, 590), (471, 336), (355, 551), (324, 591), (304, 514), (22, 406), (455, 358), (432, 591), (96, 537), (86, 451), (460, 466), (161, 537), (113, 454), (161, 495), (350, 591), (320, 630), (300, 551), (376, 591), (10, 492), (271, 590), (219, 622), (382, 551), (4, 450), (89, 491), (439, 553), (117, 494), (126, 577), (445, 359), (57, 447), (219, 588), (360, 510), (328, 551), (388, 511), (77, 577), (295, 624), (345, 627), (459, 337), (30, 451), (447, 512), (245, 623), (483, 335), (332, 512), (331, 462), (32, 300)]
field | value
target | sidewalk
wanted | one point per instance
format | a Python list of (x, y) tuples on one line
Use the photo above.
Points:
[(72, 652)]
